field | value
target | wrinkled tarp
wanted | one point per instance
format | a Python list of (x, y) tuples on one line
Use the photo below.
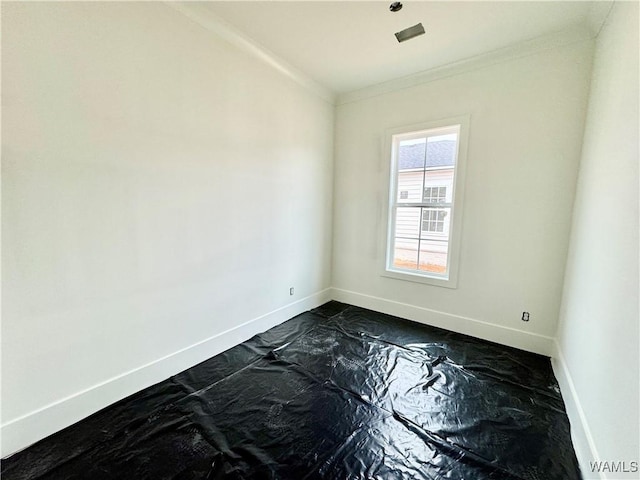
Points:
[(339, 392)]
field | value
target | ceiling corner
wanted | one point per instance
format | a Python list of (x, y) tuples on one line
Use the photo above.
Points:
[(598, 15), (200, 14)]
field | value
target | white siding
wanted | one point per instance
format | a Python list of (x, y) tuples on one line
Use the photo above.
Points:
[(408, 219)]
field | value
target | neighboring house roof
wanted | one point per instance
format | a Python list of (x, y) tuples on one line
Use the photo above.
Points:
[(439, 154)]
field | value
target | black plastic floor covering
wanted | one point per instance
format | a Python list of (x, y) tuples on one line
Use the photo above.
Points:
[(339, 392)]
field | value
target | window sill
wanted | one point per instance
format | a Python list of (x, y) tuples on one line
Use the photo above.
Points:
[(418, 278)]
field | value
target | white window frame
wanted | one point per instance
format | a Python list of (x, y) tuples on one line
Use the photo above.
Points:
[(450, 278)]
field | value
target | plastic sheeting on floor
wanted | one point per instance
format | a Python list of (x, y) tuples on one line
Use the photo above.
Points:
[(337, 393)]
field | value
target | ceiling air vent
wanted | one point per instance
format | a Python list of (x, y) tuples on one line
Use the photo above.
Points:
[(409, 33)]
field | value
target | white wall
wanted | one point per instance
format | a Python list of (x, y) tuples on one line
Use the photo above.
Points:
[(525, 136), (598, 335), (153, 176)]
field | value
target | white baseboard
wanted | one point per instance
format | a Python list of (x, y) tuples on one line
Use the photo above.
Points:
[(512, 337), (21, 432), (583, 442)]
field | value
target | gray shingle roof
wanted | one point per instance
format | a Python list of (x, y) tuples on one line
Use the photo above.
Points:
[(439, 154)]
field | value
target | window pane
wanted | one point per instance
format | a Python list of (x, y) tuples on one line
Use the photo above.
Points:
[(433, 256), (411, 161), (408, 222), (411, 154), (441, 150), (411, 183), (405, 254)]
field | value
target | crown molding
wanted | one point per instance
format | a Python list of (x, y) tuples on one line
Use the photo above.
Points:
[(202, 15), (556, 40)]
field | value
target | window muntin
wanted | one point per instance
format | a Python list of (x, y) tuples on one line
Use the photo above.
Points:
[(424, 165)]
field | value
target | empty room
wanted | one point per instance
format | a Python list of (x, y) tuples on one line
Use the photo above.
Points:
[(320, 240)]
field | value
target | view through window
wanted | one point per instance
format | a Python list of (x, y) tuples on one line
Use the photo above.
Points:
[(422, 204)]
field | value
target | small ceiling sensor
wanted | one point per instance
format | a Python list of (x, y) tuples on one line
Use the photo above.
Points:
[(395, 7)]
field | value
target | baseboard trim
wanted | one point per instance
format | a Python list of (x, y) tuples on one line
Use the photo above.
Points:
[(23, 431), (512, 337), (583, 442)]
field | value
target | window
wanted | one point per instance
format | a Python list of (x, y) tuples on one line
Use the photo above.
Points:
[(433, 220), (427, 166), (435, 194)]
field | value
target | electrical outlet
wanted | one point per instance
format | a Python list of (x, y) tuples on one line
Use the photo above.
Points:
[(525, 316), (291, 291)]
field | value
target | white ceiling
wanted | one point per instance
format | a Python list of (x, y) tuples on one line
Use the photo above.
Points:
[(349, 45)]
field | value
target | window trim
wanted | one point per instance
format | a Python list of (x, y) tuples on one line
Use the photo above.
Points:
[(390, 187)]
